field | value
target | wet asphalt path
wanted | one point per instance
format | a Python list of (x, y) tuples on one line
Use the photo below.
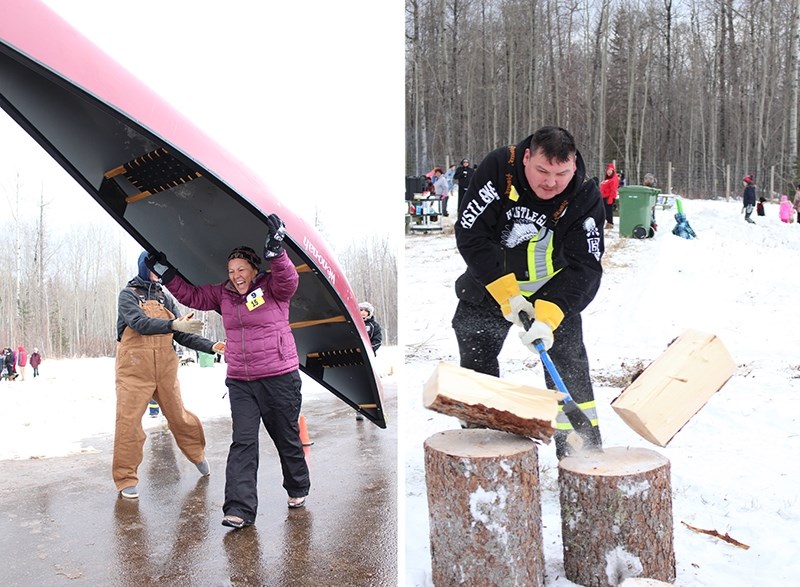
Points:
[(62, 523)]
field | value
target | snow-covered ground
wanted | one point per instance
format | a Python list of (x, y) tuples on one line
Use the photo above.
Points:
[(73, 401), (734, 466)]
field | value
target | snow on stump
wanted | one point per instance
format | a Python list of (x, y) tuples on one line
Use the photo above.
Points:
[(616, 516), (485, 509)]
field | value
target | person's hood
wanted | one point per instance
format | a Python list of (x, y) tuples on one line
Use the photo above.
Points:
[(143, 283), (368, 307), (144, 272)]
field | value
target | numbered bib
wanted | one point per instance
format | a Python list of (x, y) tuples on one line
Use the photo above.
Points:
[(255, 299)]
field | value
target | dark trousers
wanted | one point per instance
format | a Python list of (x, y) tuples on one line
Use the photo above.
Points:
[(609, 212), (481, 331), (276, 402), (462, 192)]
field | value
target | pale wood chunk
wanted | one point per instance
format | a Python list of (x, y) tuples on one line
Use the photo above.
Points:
[(616, 516), (484, 504), (674, 387), (492, 402)]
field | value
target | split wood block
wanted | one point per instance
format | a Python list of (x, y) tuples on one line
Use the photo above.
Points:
[(673, 388), (492, 402), (484, 504), (616, 516)]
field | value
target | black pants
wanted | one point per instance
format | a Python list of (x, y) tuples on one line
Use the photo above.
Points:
[(276, 402), (481, 331), (609, 212)]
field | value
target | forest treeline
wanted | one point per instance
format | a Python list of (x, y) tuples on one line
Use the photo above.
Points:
[(708, 87), (59, 289)]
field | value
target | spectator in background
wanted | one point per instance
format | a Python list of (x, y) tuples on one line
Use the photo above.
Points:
[(22, 361), (440, 189), (748, 198), (760, 206), (608, 191), (36, 360), (373, 330), (784, 211), (10, 360), (797, 202), (449, 175), (462, 176)]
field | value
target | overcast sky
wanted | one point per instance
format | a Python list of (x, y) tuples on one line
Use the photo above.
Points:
[(308, 95)]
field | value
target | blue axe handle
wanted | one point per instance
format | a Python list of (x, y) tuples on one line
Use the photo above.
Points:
[(580, 421)]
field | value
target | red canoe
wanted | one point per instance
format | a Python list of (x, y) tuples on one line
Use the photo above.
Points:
[(173, 188)]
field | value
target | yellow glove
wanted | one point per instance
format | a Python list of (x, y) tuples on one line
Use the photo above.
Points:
[(548, 318), (506, 292)]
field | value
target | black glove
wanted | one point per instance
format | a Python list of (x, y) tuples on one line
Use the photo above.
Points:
[(276, 231), (158, 264)]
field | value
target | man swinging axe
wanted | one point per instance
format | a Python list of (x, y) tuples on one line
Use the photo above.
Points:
[(530, 232)]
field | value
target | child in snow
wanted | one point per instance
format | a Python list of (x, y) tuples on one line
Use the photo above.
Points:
[(785, 210), (760, 206), (682, 228)]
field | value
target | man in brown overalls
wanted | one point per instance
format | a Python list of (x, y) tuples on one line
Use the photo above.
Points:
[(147, 367)]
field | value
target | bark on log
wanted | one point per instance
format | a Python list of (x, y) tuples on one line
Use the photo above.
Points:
[(489, 401), (616, 516), (484, 506)]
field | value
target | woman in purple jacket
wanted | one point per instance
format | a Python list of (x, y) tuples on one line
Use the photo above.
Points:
[(263, 378)]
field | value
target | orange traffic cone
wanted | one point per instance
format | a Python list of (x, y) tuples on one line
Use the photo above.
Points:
[(304, 432)]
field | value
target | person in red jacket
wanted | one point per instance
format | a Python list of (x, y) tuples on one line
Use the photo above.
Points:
[(608, 191), (22, 361), (263, 367)]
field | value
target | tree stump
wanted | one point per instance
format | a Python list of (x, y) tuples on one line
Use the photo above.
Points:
[(616, 516), (485, 509)]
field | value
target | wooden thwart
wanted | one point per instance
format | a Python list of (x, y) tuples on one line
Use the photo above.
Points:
[(673, 388), (492, 402)]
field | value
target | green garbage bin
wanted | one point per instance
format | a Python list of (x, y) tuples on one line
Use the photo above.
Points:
[(206, 360), (636, 209)]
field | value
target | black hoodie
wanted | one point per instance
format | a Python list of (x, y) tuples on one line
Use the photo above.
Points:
[(492, 232)]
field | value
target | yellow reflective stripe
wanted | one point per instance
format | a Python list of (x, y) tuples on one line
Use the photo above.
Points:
[(589, 408), (540, 262)]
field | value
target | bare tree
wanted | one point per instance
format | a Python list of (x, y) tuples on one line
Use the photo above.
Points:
[(702, 85)]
